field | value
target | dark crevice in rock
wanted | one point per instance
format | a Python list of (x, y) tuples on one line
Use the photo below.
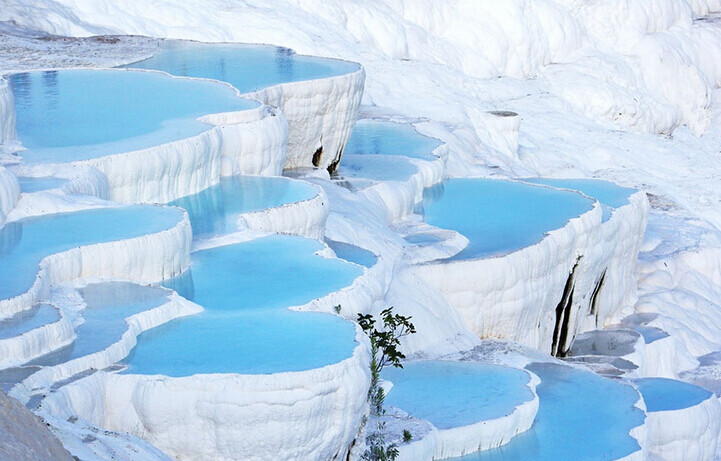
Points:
[(562, 349), (563, 317), (333, 167), (594, 296), (503, 113), (317, 156)]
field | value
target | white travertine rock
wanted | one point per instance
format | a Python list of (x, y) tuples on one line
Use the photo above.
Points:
[(398, 198), (491, 433), (517, 296), (17, 350), (175, 307), (253, 142), (148, 258), (321, 114), (313, 414), (514, 296), (690, 433), (306, 218)]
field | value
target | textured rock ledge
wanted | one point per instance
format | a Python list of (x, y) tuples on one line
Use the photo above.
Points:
[(235, 416), (306, 218), (576, 279), (251, 142), (42, 380), (147, 258), (398, 198), (20, 349), (9, 193), (321, 114), (514, 296), (313, 414), (690, 433)]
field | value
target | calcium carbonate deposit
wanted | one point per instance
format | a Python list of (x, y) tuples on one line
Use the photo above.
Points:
[(203, 203)]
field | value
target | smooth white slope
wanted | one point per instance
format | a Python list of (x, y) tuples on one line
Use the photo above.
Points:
[(520, 37)]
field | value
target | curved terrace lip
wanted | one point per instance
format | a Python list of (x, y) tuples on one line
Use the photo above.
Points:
[(207, 240), (358, 341), (170, 43), (252, 105), (650, 389), (182, 215), (525, 395), (595, 204), (632, 191)]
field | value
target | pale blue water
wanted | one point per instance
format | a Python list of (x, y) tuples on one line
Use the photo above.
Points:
[(24, 243), (28, 184), (352, 253), (108, 305), (68, 115), (423, 239), (499, 216), (376, 137), (608, 194), (246, 67), (581, 417), (215, 210), (661, 394), (455, 394), (20, 323), (376, 167), (651, 334), (246, 327)]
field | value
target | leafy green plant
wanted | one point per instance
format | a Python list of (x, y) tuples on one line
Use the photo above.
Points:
[(407, 436), (384, 351)]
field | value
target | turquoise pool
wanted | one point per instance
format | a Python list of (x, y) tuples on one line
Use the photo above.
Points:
[(108, 305), (389, 138), (662, 394), (70, 115), (246, 327), (456, 394), (22, 322), (352, 253), (581, 417), (608, 194), (246, 67), (498, 216), (24, 243), (216, 209), (376, 168)]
